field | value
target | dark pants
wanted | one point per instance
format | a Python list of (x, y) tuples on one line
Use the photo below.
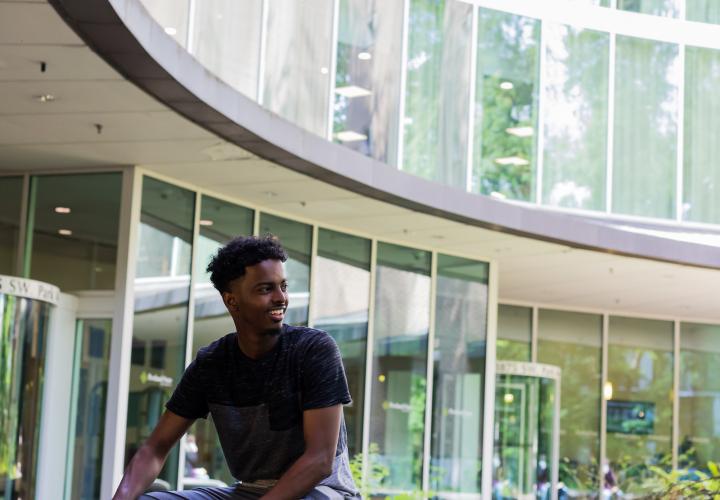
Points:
[(233, 493)]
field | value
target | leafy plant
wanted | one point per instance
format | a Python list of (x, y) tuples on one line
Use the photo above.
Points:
[(684, 483)]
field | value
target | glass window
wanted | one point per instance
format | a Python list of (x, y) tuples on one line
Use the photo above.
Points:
[(162, 289), (402, 321), (573, 342), (638, 396), (438, 90), (226, 40), (506, 105), (296, 238), (89, 394), (367, 80), (669, 8), (459, 374), (702, 125), (220, 222), (342, 300), (297, 62), (172, 15), (10, 201), (514, 333), (646, 108), (707, 11), (576, 113), (74, 220), (699, 395)]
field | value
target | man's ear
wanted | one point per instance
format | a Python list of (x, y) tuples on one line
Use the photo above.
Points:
[(229, 301)]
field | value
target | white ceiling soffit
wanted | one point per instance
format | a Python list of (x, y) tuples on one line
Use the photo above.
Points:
[(139, 130)]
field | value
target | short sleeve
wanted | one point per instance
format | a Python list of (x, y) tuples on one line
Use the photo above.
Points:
[(189, 399), (323, 378)]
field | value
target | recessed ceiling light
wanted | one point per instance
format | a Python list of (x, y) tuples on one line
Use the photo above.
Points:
[(62, 210), (64, 232), (350, 136), (352, 91), (520, 131), (507, 85), (170, 31), (512, 160), (206, 222), (44, 98), (270, 194), (364, 56), (324, 70)]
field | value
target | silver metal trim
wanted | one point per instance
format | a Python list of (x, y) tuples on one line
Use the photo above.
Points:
[(262, 52), (22, 229), (313, 275), (369, 353), (490, 374), (333, 71), (680, 165), (540, 129), (403, 84), (603, 405), (610, 146), (471, 107), (534, 334), (675, 441), (429, 373)]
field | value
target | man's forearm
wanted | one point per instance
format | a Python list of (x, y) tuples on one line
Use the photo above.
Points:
[(303, 476), (140, 473)]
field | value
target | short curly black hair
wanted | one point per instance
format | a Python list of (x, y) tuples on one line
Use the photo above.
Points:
[(230, 261)]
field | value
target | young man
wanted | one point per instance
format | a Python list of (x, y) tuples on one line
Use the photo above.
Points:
[(275, 393)]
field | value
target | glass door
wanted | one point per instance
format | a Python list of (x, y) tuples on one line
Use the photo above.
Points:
[(525, 461), (87, 408)]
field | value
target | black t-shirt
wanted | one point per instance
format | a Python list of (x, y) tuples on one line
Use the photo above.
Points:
[(257, 404)]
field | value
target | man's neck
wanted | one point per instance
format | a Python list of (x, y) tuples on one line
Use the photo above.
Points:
[(254, 344)]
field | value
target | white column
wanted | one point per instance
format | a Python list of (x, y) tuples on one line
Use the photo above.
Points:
[(119, 371), (489, 403)]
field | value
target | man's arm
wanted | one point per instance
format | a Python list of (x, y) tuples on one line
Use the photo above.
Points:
[(149, 459), (321, 428)]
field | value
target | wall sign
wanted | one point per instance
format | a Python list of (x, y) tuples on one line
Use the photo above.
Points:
[(30, 289)]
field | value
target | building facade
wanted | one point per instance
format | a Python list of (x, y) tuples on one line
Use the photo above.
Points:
[(458, 184)]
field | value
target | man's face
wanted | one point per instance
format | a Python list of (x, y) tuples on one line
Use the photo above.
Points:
[(258, 300)]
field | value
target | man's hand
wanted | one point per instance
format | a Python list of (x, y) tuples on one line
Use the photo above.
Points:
[(321, 428), (149, 459)]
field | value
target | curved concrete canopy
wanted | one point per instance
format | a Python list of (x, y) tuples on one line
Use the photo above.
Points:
[(124, 34)]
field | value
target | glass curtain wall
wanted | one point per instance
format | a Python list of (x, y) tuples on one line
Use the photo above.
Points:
[(647, 75), (87, 408), (699, 393), (506, 102), (514, 333), (639, 398), (73, 226), (573, 342), (437, 90), (667, 8), (296, 238), (10, 200), (342, 302), (297, 62), (367, 79), (705, 11), (402, 323), (459, 360), (162, 290), (226, 40), (220, 222), (575, 116), (702, 121)]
